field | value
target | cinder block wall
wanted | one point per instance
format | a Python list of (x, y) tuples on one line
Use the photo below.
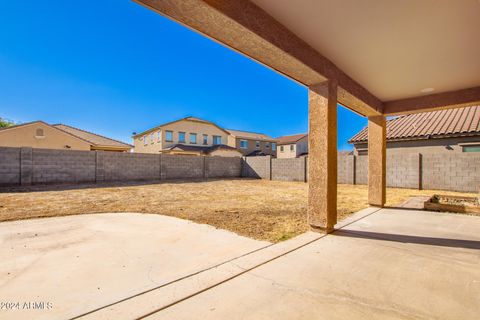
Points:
[(456, 172), (26, 166), (459, 172), (58, 166), (222, 167), (346, 168), (9, 166), (257, 167), (361, 169), (292, 169), (119, 166), (182, 167), (403, 171)]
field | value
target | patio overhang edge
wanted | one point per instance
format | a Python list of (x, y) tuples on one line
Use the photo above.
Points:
[(444, 100), (247, 29)]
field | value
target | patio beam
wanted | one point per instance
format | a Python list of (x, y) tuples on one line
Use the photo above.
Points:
[(445, 100), (322, 162), (377, 154), (246, 28)]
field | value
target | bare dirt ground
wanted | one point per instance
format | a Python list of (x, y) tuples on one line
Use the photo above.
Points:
[(260, 209)]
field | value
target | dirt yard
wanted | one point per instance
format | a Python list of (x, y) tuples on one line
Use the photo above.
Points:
[(260, 209)]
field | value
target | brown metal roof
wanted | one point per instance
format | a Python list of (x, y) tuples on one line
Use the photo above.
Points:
[(434, 124), (290, 139)]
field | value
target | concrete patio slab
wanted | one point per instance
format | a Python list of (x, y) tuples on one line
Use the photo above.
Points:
[(392, 264), (76, 264)]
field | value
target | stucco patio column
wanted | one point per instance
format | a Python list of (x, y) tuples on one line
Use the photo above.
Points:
[(377, 155), (322, 156)]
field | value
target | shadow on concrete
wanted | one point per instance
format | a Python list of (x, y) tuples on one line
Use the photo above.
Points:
[(441, 242), (112, 184)]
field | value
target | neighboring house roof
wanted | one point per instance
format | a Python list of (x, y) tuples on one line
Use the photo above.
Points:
[(256, 153), (92, 138), (24, 124), (433, 124), (249, 135), (45, 124), (186, 118), (200, 149), (291, 139)]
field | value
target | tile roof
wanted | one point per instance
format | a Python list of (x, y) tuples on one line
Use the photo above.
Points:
[(249, 135), (435, 124), (92, 138), (290, 139)]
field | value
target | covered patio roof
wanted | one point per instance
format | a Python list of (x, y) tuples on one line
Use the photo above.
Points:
[(375, 57), (387, 57)]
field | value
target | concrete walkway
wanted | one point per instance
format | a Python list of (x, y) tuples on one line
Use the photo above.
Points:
[(381, 264), (85, 262)]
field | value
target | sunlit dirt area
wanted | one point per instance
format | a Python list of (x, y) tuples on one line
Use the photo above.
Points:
[(260, 209)]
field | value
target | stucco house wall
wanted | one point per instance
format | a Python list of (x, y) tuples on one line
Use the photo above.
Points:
[(264, 146), (27, 136), (293, 150)]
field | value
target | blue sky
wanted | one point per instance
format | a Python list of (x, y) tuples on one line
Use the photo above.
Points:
[(114, 67)]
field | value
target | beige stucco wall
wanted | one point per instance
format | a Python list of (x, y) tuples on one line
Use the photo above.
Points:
[(287, 151), (252, 146), (301, 146), (153, 146), (428, 146), (24, 136), (187, 126)]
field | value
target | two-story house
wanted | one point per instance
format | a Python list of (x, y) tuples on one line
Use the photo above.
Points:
[(196, 136), (292, 146), (189, 135)]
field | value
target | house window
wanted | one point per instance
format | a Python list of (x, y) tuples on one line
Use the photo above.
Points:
[(281, 149), (193, 138), (39, 133), (181, 137), (475, 148), (292, 147), (257, 144), (274, 146), (243, 144), (169, 136), (205, 139), (152, 138), (217, 140), (145, 140), (267, 145), (159, 136)]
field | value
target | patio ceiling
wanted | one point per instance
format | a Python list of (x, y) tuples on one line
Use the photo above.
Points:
[(388, 57)]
